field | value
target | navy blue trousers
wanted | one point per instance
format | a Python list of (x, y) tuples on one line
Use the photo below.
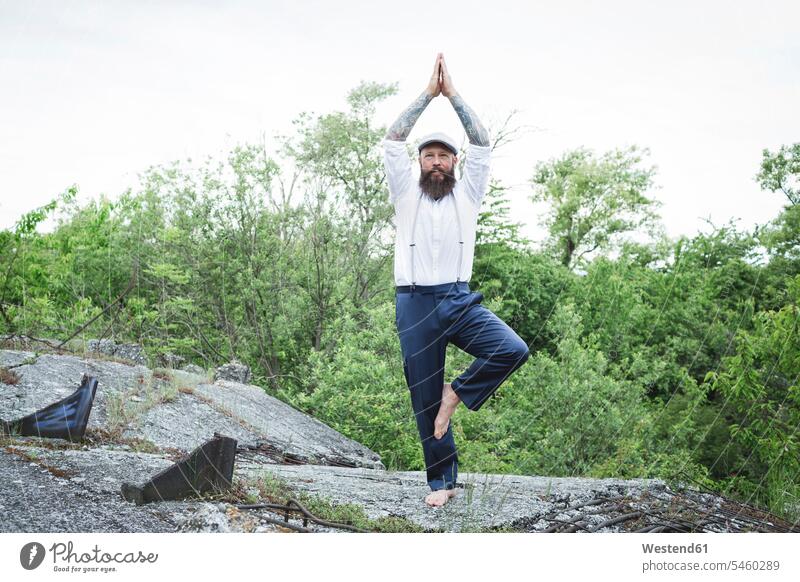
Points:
[(428, 318)]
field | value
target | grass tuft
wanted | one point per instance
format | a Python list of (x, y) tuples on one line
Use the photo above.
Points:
[(9, 377)]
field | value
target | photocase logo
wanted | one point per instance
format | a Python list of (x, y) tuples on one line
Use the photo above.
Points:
[(31, 555)]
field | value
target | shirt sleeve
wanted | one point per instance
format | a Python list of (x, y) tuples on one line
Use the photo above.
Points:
[(398, 169), (476, 172)]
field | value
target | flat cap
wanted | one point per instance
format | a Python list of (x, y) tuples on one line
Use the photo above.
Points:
[(440, 138)]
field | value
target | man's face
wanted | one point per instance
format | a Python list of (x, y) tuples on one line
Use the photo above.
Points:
[(436, 160), (436, 177)]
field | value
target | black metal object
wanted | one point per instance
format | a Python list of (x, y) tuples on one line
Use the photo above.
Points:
[(209, 468), (293, 505), (65, 419)]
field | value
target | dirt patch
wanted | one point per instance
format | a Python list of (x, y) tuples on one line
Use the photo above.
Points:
[(9, 377), (33, 458)]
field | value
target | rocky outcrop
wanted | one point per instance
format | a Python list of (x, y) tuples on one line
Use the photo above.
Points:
[(132, 352), (485, 501), (194, 369), (176, 410), (142, 421), (235, 371), (173, 361)]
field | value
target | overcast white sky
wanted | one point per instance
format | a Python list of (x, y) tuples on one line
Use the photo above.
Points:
[(95, 92)]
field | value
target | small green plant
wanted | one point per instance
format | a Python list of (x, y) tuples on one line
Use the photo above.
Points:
[(30, 360), (186, 383), (142, 446), (167, 392), (119, 413), (273, 488)]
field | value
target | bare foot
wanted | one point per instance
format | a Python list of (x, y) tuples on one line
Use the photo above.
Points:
[(446, 409), (440, 497)]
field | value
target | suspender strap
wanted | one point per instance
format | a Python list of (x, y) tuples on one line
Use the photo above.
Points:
[(414, 244), (460, 239)]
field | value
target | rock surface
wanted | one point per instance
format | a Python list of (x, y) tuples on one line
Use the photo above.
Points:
[(178, 411), (194, 369), (32, 499), (234, 371), (143, 421), (171, 360), (295, 435), (132, 352), (486, 501)]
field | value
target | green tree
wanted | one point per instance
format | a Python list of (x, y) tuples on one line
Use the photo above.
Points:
[(25, 262), (761, 383), (593, 200), (524, 284), (781, 171), (340, 152), (781, 240), (568, 415)]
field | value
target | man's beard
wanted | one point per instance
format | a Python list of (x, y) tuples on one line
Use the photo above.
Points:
[(436, 188)]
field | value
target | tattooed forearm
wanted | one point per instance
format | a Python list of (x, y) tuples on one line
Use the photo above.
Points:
[(476, 133), (402, 127)]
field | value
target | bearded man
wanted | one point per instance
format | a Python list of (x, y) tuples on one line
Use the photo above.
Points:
[(436, 219)]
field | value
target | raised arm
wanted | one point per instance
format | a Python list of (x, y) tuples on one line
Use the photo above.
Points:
[(402, 126), (476, 133)]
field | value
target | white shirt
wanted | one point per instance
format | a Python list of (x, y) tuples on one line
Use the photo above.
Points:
[(436, 237)]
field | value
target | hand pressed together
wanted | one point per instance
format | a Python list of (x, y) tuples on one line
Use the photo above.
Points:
[(440, 82)]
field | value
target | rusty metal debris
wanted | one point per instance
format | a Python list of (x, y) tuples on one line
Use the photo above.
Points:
[(286, 458), (294, 506), (685, 511), (65, 419), (209, 468)]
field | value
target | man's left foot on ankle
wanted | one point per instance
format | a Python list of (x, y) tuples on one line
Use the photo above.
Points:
[(447, 407)]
